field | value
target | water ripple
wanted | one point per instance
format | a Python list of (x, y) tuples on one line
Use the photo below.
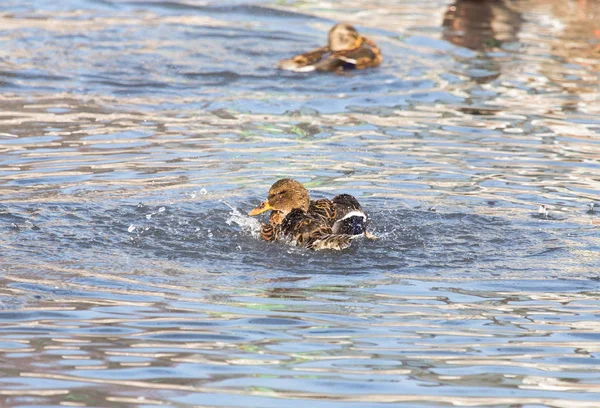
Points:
[(135, 135)]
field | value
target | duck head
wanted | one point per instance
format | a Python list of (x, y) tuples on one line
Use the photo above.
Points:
[(344, 37), (284, 196)]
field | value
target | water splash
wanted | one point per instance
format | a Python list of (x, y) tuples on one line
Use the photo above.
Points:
[(248, 224)]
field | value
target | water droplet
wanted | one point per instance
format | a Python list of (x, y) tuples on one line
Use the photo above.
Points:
[(131, 228)]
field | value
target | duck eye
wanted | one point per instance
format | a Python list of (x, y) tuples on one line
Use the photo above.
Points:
[(275, 195)]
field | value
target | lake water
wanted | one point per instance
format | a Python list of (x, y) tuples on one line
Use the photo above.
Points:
[(135, 134)]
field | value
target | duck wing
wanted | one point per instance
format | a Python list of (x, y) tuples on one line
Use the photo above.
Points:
[(302, 227), (324, 210), (351, 219), (368, 58), (310, 232), (304, 62)]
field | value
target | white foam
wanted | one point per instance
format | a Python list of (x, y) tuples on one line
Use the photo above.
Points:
[(246, 223)]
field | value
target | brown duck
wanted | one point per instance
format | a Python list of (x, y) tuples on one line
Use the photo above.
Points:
[(314, 224), (346, 49)]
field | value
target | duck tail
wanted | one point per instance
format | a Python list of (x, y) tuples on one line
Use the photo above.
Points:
[(331, 241)]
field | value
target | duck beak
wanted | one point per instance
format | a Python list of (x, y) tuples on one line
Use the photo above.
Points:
[(264, 206)]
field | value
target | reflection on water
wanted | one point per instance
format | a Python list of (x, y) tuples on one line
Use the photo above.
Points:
[(487, 25), (333, 343), (132, 131), (481, 25)]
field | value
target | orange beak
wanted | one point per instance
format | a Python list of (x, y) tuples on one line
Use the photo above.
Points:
[(264, 206)]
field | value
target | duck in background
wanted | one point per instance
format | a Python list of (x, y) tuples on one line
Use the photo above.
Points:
[(313, 224), (346, 49)]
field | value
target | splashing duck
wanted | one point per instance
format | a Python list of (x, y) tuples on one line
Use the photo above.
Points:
[(346, 50), (313, 224)]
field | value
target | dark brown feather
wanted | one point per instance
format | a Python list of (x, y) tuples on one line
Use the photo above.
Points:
[(324, 210), (345, 203), (268, 232), (303, 228), (373, 59), (331, 241)]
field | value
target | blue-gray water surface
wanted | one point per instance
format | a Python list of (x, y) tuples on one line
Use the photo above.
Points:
[(135, 135)]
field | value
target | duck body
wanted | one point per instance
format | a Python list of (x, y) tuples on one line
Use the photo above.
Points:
[(313, 224), (306, 230), (346, 50)]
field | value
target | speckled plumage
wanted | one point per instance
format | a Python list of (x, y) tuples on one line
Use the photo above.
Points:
[(314, 224), (346, 50)]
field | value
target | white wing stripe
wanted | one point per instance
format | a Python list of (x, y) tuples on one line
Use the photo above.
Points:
[(354, 213)]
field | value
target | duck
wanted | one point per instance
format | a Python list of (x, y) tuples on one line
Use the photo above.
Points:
[(345, 50), (313, 224)]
